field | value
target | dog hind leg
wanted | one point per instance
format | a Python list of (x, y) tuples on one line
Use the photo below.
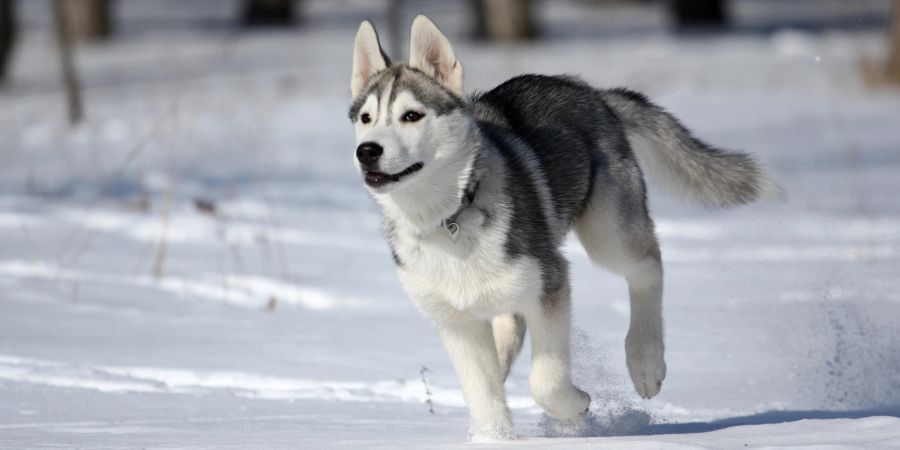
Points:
[(509, 334), (617, 232)]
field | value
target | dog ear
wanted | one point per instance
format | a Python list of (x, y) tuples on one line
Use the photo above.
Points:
[(430, 52), (368, 57)]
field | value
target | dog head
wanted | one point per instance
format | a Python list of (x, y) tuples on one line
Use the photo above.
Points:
[(410, 119)]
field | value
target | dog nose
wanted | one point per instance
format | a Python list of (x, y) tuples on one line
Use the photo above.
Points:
[(368, 152)]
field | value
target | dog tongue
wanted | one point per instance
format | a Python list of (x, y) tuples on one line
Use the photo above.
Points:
[(377, 178)]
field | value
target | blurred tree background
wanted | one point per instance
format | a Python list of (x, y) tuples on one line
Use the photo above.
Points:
[(7, 35), (91, 22)]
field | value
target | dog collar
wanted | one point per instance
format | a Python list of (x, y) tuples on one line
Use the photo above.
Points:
[(450, 224)]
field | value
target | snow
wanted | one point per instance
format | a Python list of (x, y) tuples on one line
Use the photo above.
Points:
[(275, 319)]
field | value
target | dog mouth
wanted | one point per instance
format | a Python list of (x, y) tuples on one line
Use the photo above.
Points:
[(379, 179)]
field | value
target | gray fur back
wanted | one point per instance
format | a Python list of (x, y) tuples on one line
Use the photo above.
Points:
[(567, 127), (543, 112), (668, 153)]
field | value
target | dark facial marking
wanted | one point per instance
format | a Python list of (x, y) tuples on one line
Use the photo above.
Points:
[(426, 90), (376, 84), (404, 78)]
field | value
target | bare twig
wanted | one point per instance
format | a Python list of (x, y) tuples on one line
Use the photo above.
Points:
[(274, 238), (427, 390), (237, 261), (164, 237), (79, 238)]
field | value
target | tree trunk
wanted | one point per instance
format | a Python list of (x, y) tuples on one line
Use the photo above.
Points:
[(64, 41), (893, 60), (699, 13), (7, 35), (268, 12), (504, 20), (88, 20), (395, 25)]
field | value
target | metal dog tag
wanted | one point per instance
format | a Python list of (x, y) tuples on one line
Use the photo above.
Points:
[(452, 229)]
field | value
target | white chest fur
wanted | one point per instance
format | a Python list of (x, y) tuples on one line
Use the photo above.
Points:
[(469, 276)]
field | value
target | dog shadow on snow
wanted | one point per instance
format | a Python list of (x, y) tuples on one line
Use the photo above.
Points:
[(636, 422), (850, 393)]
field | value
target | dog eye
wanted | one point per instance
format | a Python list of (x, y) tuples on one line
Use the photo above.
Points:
[(411, 116), (365, 118)]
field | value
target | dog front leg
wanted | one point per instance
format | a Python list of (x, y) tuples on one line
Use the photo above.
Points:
[(470, 345), (550, 380)]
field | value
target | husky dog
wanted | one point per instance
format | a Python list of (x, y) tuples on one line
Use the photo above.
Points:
[(479, 193)]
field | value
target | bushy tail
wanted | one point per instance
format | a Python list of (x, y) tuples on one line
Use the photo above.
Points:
[(669, 154)]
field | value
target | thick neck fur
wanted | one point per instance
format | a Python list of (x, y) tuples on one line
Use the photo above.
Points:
[(420, 206)]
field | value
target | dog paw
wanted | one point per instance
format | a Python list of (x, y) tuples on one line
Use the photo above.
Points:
[(576, 407), (646, 364), (566, 403)]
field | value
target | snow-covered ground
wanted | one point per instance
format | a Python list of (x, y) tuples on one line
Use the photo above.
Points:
[(269, 315)]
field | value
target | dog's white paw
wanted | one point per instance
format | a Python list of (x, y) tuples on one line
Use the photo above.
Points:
[(646, 364), (573, 406), (564, 402)]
